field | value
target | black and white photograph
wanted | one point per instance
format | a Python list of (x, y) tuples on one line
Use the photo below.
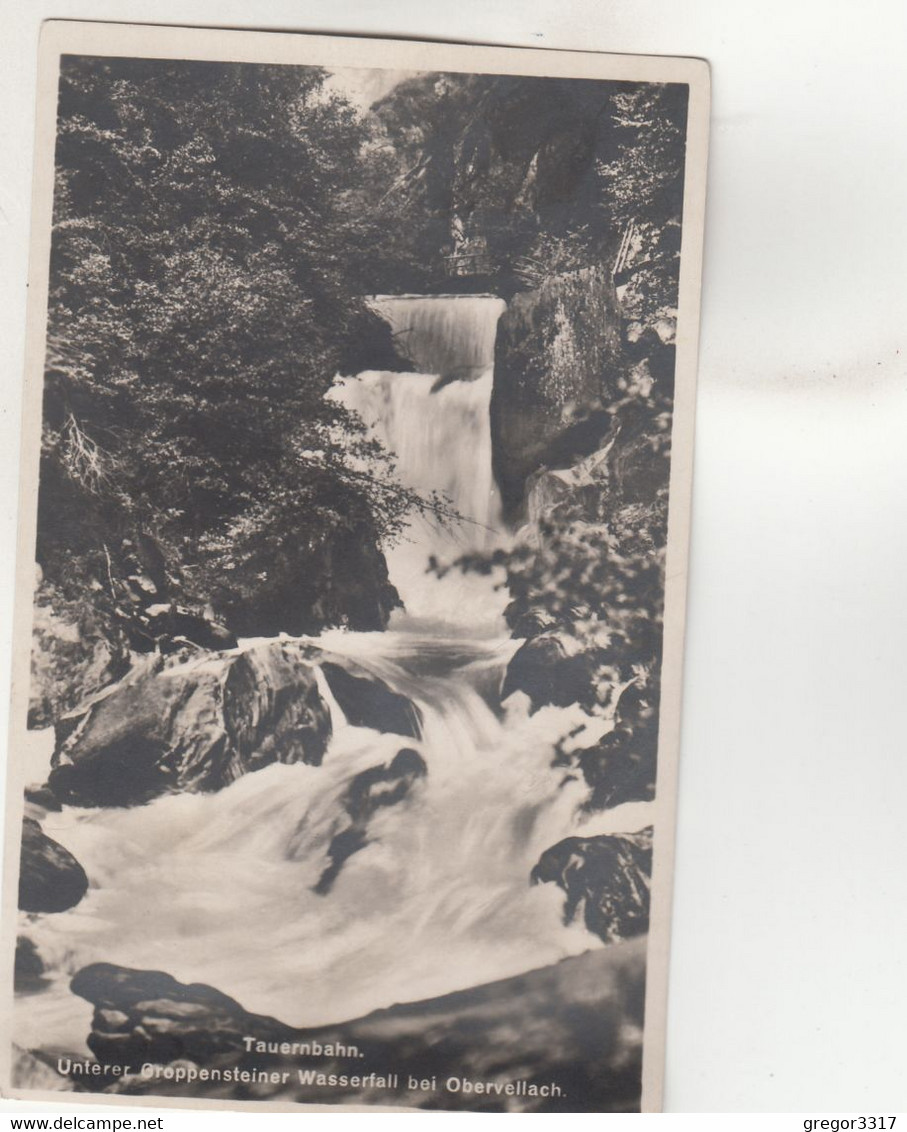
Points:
[(353, 565)]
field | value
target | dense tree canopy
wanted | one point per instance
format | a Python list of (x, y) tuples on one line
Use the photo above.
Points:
[(217, 228), (209, 263), (516, 177)]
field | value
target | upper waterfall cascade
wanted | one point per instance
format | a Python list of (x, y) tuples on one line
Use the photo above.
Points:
[(451, 336), (436, 423)]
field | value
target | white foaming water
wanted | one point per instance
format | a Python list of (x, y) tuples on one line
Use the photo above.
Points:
[(438, 428), (219, 888), (451, 336)]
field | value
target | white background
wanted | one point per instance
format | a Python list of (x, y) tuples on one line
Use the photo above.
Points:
[(788, 975)]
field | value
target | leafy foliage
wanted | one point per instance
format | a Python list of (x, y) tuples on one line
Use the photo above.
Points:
[(492, 166), (210, 255), (520, 178), (644, 185)]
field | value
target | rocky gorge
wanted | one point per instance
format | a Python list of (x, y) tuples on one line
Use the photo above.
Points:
[(407, 733), (193, 720)]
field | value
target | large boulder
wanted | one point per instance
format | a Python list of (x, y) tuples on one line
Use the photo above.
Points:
[(50, 878), (371, 790), (548, 670), (194, 726), (557, 364), (28, 968), (145, 1016), (606, 878), (621, 767), (367, 701)]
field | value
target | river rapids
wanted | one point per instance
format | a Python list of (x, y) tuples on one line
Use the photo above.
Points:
[(220, 888)]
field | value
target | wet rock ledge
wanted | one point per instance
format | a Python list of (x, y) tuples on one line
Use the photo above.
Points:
[(576, 1025), (50, 878), (193, 726), (606, 879)]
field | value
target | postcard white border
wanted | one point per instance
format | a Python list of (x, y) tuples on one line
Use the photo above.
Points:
[(63, 37)]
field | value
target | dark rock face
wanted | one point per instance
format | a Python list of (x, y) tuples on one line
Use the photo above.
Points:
[(28, 971), (341, 580), (195, 726), (79, 648), (544, 670), (149, 1016), (41, 795), (172, 625), (50, 878), (607, 877), (639, 469), (373, 789), (367, 701), (576, 1024), (622, 765), (557, 360)]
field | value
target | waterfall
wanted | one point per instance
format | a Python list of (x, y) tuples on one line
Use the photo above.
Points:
[(436, 423), (224, 888), (451, 336)]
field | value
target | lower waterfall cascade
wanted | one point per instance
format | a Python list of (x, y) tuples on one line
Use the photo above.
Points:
[(221, 888)]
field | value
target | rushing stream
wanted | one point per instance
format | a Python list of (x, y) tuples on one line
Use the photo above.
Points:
[(220, 888)]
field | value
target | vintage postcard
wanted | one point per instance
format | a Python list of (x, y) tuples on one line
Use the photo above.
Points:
[(358, 447)]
